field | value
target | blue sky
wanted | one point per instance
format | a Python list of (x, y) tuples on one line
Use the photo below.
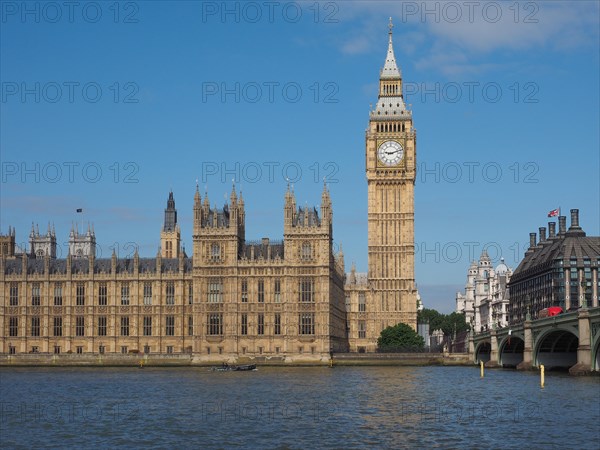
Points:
[(107, 109)]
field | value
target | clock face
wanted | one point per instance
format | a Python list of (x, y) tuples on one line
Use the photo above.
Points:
[(390, 153)]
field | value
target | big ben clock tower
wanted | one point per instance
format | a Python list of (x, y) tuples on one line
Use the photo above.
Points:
[(390, 167)]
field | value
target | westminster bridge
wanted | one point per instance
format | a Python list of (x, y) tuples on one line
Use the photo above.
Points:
[(570, 340)]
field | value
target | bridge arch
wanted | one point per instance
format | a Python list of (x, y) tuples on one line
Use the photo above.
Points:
[(596, 354), (483, 352), (510, 352), (557, 348)]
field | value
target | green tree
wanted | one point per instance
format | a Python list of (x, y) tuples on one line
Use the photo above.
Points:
[(401, 337), (432, 317), (454, 322), (448, 323)]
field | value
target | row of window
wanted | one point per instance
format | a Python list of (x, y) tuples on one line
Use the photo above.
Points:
[(390, 127), (260, 290), (169, 249), (362, 302), (390, 89), (12, 350), (260, 324), (362, 329), (57, 326), (306, 324), (214, 325), (306, 290), (102, 294), (305, 252), (587, 262), (215, 292)]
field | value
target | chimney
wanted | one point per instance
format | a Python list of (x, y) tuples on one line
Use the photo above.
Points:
[(542, 234), (562, 225), (575, 229), (575, 218), (551, 230), (531, 240), (265, 241)]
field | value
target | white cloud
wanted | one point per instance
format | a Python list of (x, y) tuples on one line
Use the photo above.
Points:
[(525, 27), (358, 44), (460, 46), (411, 42), (451, 62)]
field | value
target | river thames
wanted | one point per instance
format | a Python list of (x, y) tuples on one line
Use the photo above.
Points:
[(311, 407)]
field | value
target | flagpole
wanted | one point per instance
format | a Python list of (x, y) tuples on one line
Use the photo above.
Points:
[(80, 211)]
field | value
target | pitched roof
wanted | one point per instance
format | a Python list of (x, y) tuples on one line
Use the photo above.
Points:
[(563, 248), (261, 250)]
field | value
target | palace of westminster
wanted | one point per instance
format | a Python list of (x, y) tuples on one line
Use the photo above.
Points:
[(290, 299)]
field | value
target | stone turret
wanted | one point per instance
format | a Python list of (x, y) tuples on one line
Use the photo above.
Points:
[(289, 208), (7, 243), (82, 245), (170, 235), (41, 245)]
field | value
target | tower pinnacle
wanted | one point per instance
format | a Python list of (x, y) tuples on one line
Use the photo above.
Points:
[(170, 214), (170, 234), (390, 104), (390, 68)]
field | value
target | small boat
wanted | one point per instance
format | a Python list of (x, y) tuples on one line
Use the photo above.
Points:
[(246, 367)]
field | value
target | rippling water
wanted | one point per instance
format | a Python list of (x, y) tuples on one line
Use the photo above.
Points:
[(347, 407)]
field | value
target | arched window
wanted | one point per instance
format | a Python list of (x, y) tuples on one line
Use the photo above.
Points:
[(215, 251), (306, 251)]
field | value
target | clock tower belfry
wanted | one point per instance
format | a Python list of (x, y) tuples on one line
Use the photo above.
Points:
[(391, 171)]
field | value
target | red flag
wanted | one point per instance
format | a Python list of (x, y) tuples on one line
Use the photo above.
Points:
[(554, 213)]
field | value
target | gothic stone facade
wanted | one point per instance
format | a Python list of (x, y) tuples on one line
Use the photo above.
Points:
[(233, 298)]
